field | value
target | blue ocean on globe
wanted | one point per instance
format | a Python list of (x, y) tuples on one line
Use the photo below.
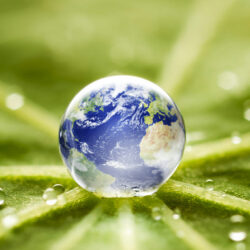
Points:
[(122, 136)]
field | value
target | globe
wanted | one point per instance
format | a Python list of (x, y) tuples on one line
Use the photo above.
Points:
[(122, 136)]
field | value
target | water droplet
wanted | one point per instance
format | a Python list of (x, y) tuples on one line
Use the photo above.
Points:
[(237, 218), (236, 139), (50, 196), (157, 213), (9, 221), (228, 80), (2, 197), (124, 89), (59, 188), (14, 101), (247, 114), (209, 185), (237, 235), (176, 214)]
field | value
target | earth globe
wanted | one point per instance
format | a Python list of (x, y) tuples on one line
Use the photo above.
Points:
[(122, 136)]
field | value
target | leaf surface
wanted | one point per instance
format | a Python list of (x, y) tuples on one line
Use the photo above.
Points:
[(50, 50)]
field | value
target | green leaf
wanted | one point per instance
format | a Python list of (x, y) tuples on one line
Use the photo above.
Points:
[(198, 51)]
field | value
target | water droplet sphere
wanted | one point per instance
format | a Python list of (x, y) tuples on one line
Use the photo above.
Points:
[(50, 196), (122, 136), (59, 188), (157, 213)]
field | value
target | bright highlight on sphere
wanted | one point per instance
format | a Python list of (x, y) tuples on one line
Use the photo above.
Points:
[(122, 136)]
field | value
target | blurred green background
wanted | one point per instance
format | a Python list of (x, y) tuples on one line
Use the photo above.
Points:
[(197, 50), (49, 50)]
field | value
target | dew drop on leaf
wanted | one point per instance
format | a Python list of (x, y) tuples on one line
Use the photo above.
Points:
[(237, 218), (236, 139), (176, 214), (157, 213), (50, 196), (14, 101), (237, 236), (142, 137), (9, 221), (2, 197), (238, 232), (59, 188), (209, 185)]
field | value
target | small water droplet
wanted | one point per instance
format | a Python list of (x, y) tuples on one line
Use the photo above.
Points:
[(14, 101), (2, 197), (9, 221), (228, 80), (176, 214), (209, 185), (237, 236), (237, 218), (247, 114), (157, 213), (50, 196), (236, 139), (59, 188)]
